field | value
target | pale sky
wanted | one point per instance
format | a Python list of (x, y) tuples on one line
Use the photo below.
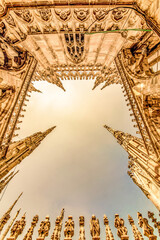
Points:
[(79, 166)]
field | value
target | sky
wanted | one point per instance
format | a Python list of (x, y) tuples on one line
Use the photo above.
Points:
[(79, 166)]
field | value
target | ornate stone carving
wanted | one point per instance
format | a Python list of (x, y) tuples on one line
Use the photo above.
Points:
[(10, 20), (100, 13), (9, 62), (10, 225), (63, 14), (7, 94), (137, 63), (81, 14), (154, 220), (6, 216), (95, 228), (58, 227), (69, 228), (121, 229), (148, 231), (45, 14), (43, 231), (2, 29), (118, 14), (24, 14), (33, 29), (18, 228), (151, 107), (75, 46), (6, 180), (29, 234), (136, 232)]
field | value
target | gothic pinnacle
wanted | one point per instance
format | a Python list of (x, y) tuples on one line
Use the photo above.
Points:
[(111, 130), (48, 131), (10, 225), (57, 82), (105, 85), (10, 209), (6, 216), (98, 81)]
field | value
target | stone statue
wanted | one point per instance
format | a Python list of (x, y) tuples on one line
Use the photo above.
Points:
[(81, 230), (17, 228), (121, 229), (147, 229), (43, 231), (69, 228), (29, 234), (154, 220), (94, 228)]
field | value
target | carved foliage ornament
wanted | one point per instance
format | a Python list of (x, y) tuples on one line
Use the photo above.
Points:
[(81, 14), (63, 14), (118, 14), (45, 14), (24, 14), (100, 14)]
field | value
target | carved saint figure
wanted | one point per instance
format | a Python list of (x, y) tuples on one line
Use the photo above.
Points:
[(29, 234), (121, 229), (94, 227), (69, 228), (18, 227), (44, 228), (147, 229)]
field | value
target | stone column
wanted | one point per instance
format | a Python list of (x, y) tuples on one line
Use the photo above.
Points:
[(109, 234), (81, 230)]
